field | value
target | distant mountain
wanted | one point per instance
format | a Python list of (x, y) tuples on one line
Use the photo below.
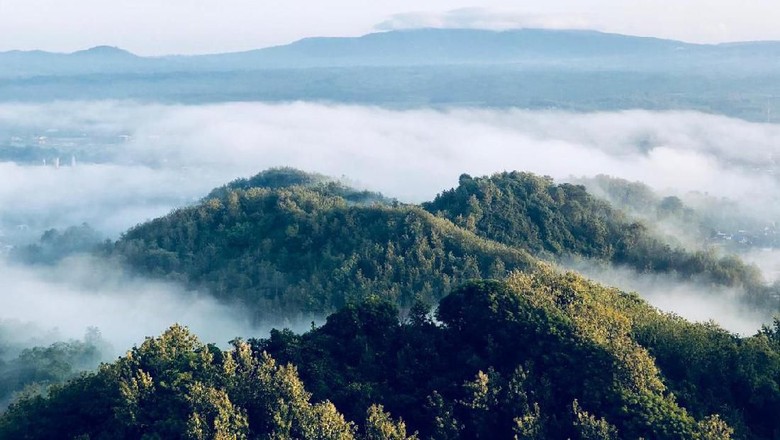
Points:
[(105, 52), (100, 59), (420, 47), (529, 68), (455, 46)]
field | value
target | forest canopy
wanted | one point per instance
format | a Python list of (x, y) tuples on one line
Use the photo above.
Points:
[(540, 355), (285, 242)]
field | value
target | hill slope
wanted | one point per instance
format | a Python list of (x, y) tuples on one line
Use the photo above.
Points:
[(300, 243), (534, 213), (304, 249), (541, 355)]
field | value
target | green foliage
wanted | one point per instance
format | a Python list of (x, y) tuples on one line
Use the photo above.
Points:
[(173, 387), (507, 359), (591, 428), (540, 355), (533, 213), (32, 370), (285, 177), (532, 355), (711, 370), (282, 252), (285, 243), (380, 426)]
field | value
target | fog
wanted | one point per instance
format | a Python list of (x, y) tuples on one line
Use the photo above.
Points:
[(61, 302), (175, 153), (767, 260), (138, 161)]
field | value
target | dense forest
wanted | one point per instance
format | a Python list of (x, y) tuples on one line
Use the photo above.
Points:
[(540, 355), (533, 213), (312, 247), (284, 242), (29, 368), (444, 322)]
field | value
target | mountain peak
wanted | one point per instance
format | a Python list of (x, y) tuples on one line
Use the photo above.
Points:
[(112, 51)]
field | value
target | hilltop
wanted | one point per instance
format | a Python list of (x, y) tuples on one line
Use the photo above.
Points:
[(286, 242), (302, 245)]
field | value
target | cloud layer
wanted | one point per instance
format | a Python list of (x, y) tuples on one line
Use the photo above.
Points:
[(59, 303), (178, 152), (153, 158)]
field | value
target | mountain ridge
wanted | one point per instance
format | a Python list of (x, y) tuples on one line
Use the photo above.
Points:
[(425, 46), (380, 34)]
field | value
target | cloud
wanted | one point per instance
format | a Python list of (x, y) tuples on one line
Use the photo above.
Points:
[(47, 304), (170, 156), (175, 154), (483, 18)]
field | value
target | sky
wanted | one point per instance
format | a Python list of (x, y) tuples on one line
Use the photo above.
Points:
[(155, 27)]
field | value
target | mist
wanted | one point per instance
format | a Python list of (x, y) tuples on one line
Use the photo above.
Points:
[(138, 161), (767, 260), (670, 151), (45, 304)]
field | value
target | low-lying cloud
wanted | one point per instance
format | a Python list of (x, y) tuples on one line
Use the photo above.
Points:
[(50, 303), (671, 151), (151, 158)]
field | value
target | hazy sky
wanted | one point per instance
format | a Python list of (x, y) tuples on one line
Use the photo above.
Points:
[(154, 27)]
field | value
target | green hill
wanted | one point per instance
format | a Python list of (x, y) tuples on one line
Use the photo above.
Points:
[(558, 220), (285, 243), (540, 355), (307, 248)]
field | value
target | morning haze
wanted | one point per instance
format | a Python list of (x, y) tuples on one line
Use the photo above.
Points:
[(391, 221)]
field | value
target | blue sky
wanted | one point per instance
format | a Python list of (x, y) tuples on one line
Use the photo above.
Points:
[(155, 27)]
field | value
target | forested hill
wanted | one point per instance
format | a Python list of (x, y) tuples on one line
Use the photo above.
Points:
[(530, 354), (286, 242), (286, 250), (533, 213), (541, 355)]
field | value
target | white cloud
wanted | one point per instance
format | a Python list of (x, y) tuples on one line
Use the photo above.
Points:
[(176, 154), (82, 292), (483, 18)]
